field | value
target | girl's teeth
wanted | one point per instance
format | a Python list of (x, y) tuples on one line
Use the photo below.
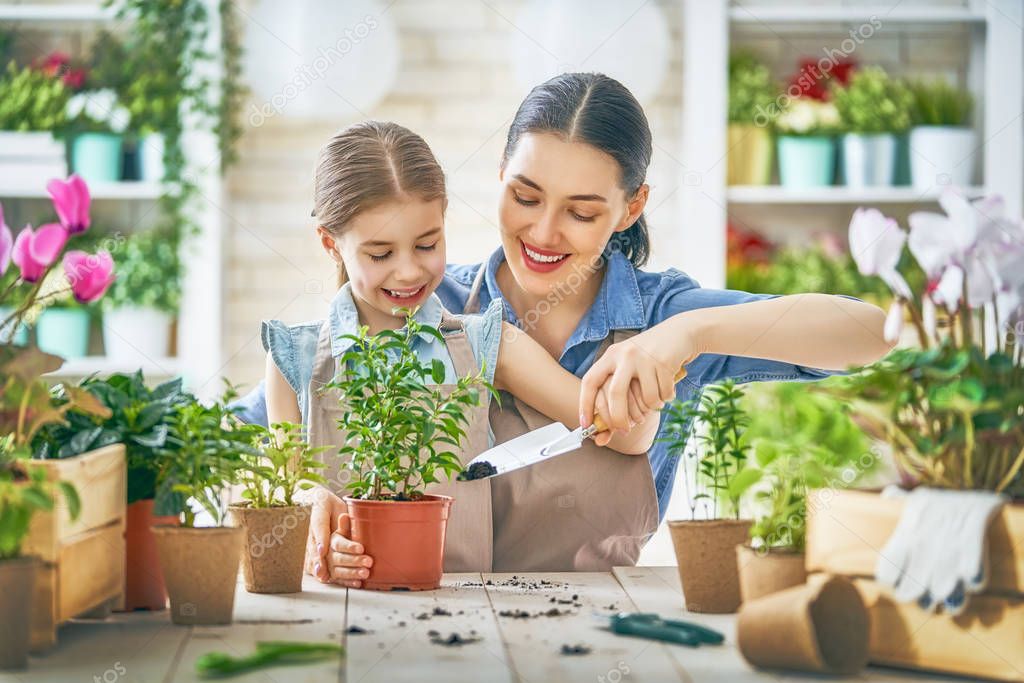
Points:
[(541, 258), (402, 295)]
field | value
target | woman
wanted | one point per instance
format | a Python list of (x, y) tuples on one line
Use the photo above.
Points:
[(573, 240)]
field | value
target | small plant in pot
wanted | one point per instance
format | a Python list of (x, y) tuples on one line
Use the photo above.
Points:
[(275, 523), (752, 94), (874, 109), (96, 126), (715, 479), (400, 432), (806, 143), (202, 457), (803, 439), (942, 143)]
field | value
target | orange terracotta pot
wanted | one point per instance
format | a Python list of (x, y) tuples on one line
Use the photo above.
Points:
[(144, 580), (404, 538)]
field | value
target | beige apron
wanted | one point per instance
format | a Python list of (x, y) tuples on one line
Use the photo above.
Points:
[(467, 546)]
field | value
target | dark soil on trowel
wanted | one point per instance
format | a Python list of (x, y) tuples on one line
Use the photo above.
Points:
[(478, 470)]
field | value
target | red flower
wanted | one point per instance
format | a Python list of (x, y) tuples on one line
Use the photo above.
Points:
[(814, 76)]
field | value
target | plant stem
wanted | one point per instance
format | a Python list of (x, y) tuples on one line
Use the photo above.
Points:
[(915, 317)]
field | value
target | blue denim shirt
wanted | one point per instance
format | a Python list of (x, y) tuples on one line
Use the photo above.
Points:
[(629, 299), (293, 347)]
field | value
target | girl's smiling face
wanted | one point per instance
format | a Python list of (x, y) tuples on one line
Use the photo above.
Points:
[(560, 204), (394, 256)]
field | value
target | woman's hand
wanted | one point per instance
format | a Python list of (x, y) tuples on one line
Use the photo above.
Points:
[(637, 376), (331, 555)]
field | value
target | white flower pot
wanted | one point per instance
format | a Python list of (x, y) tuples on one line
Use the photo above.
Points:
[(151, 157), (869, 159), (136, 334), (942, 155), (25, 156)]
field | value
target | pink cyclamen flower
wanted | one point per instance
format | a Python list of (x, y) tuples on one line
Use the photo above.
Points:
[(35, 250), (71, 202), (89, 274), (6, 243)]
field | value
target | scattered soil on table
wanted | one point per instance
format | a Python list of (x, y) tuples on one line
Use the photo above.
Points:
[(575, 650), (356, 630), (477, 470), (454, 639), (275, 621), (401, 623), (441, 612), (523, 614)]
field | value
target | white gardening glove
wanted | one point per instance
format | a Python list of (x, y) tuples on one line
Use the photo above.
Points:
[(937, 552)]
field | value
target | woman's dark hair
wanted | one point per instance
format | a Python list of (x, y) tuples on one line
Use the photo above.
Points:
[(601, 112)]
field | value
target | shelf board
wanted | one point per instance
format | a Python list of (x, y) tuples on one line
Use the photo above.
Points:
[(803, 14), (41, 13), (127, 190), (103, 365), (776, 194)]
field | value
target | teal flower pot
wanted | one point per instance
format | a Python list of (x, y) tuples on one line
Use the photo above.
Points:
[(97, 157), (63, 332), (20, 336), (806, 161)]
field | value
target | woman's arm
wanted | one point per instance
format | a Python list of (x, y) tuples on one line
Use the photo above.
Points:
[(815, 330), (527, 371)]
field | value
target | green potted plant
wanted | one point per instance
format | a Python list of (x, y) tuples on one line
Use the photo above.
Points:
[(942, 143), (32, 107), (275, 522), (400, 432), (715, 479), (802, 440), (96, 125), (63, 327), (24, 490), (874, 109), (140, 419), (806, 130), (752, 94), (201, 460), (143, 300)]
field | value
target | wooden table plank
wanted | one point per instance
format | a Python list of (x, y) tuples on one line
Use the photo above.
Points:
[(534, 644), (400, 647), (657, 589)]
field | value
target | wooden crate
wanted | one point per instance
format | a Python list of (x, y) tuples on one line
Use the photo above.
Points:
[(83, 561), (846, 531)]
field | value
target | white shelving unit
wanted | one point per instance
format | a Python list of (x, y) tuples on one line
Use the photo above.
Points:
[(199, 328), (996, 53)]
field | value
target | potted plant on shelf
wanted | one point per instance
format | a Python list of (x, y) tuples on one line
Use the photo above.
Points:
[(399, 432), (142, 302), (96, 125), (941, 142), (802, 440), (200, 461), (949, 407), (715, 479), (140, 419), (32, 107), (806, 140), (874, 109), (275, 522), (752, 96)]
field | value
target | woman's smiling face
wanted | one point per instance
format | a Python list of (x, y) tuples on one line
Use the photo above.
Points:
[(560, 204)]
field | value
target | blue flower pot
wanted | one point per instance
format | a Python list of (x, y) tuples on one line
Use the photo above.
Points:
[(20, 335), (806, 161), (97, 157), (63, 332)]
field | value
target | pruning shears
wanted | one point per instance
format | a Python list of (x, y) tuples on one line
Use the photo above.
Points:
[(651, 626)]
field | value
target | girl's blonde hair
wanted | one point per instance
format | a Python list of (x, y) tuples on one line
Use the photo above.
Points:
[(366, 165)]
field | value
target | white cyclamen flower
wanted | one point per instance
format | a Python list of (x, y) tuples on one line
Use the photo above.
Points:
[(876, 243)]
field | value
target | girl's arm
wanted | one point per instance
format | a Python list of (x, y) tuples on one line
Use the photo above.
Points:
[(527, 371), (814, 330), (282, 403)]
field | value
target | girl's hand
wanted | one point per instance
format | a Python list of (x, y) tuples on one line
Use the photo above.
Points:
[(641, 370), (331, 556)]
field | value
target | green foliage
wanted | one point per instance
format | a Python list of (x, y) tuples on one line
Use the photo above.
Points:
[(24, 491), (400, 428), (723, 445), (953, 414), (282, 464), (752, 91), (873, 103), (939, 104), (206, 447), (267, 654), (802, 439), (139, 418), (31, 101), (148, 273)]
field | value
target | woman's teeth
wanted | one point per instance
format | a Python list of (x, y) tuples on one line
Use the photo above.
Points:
[(541, 257)]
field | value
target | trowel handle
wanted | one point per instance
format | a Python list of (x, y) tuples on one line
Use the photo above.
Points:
[(599, 426)]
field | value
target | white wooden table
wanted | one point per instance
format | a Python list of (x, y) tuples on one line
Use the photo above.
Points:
[(146, 647)]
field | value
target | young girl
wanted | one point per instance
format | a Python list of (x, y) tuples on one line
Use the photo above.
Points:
[(379, 203)]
